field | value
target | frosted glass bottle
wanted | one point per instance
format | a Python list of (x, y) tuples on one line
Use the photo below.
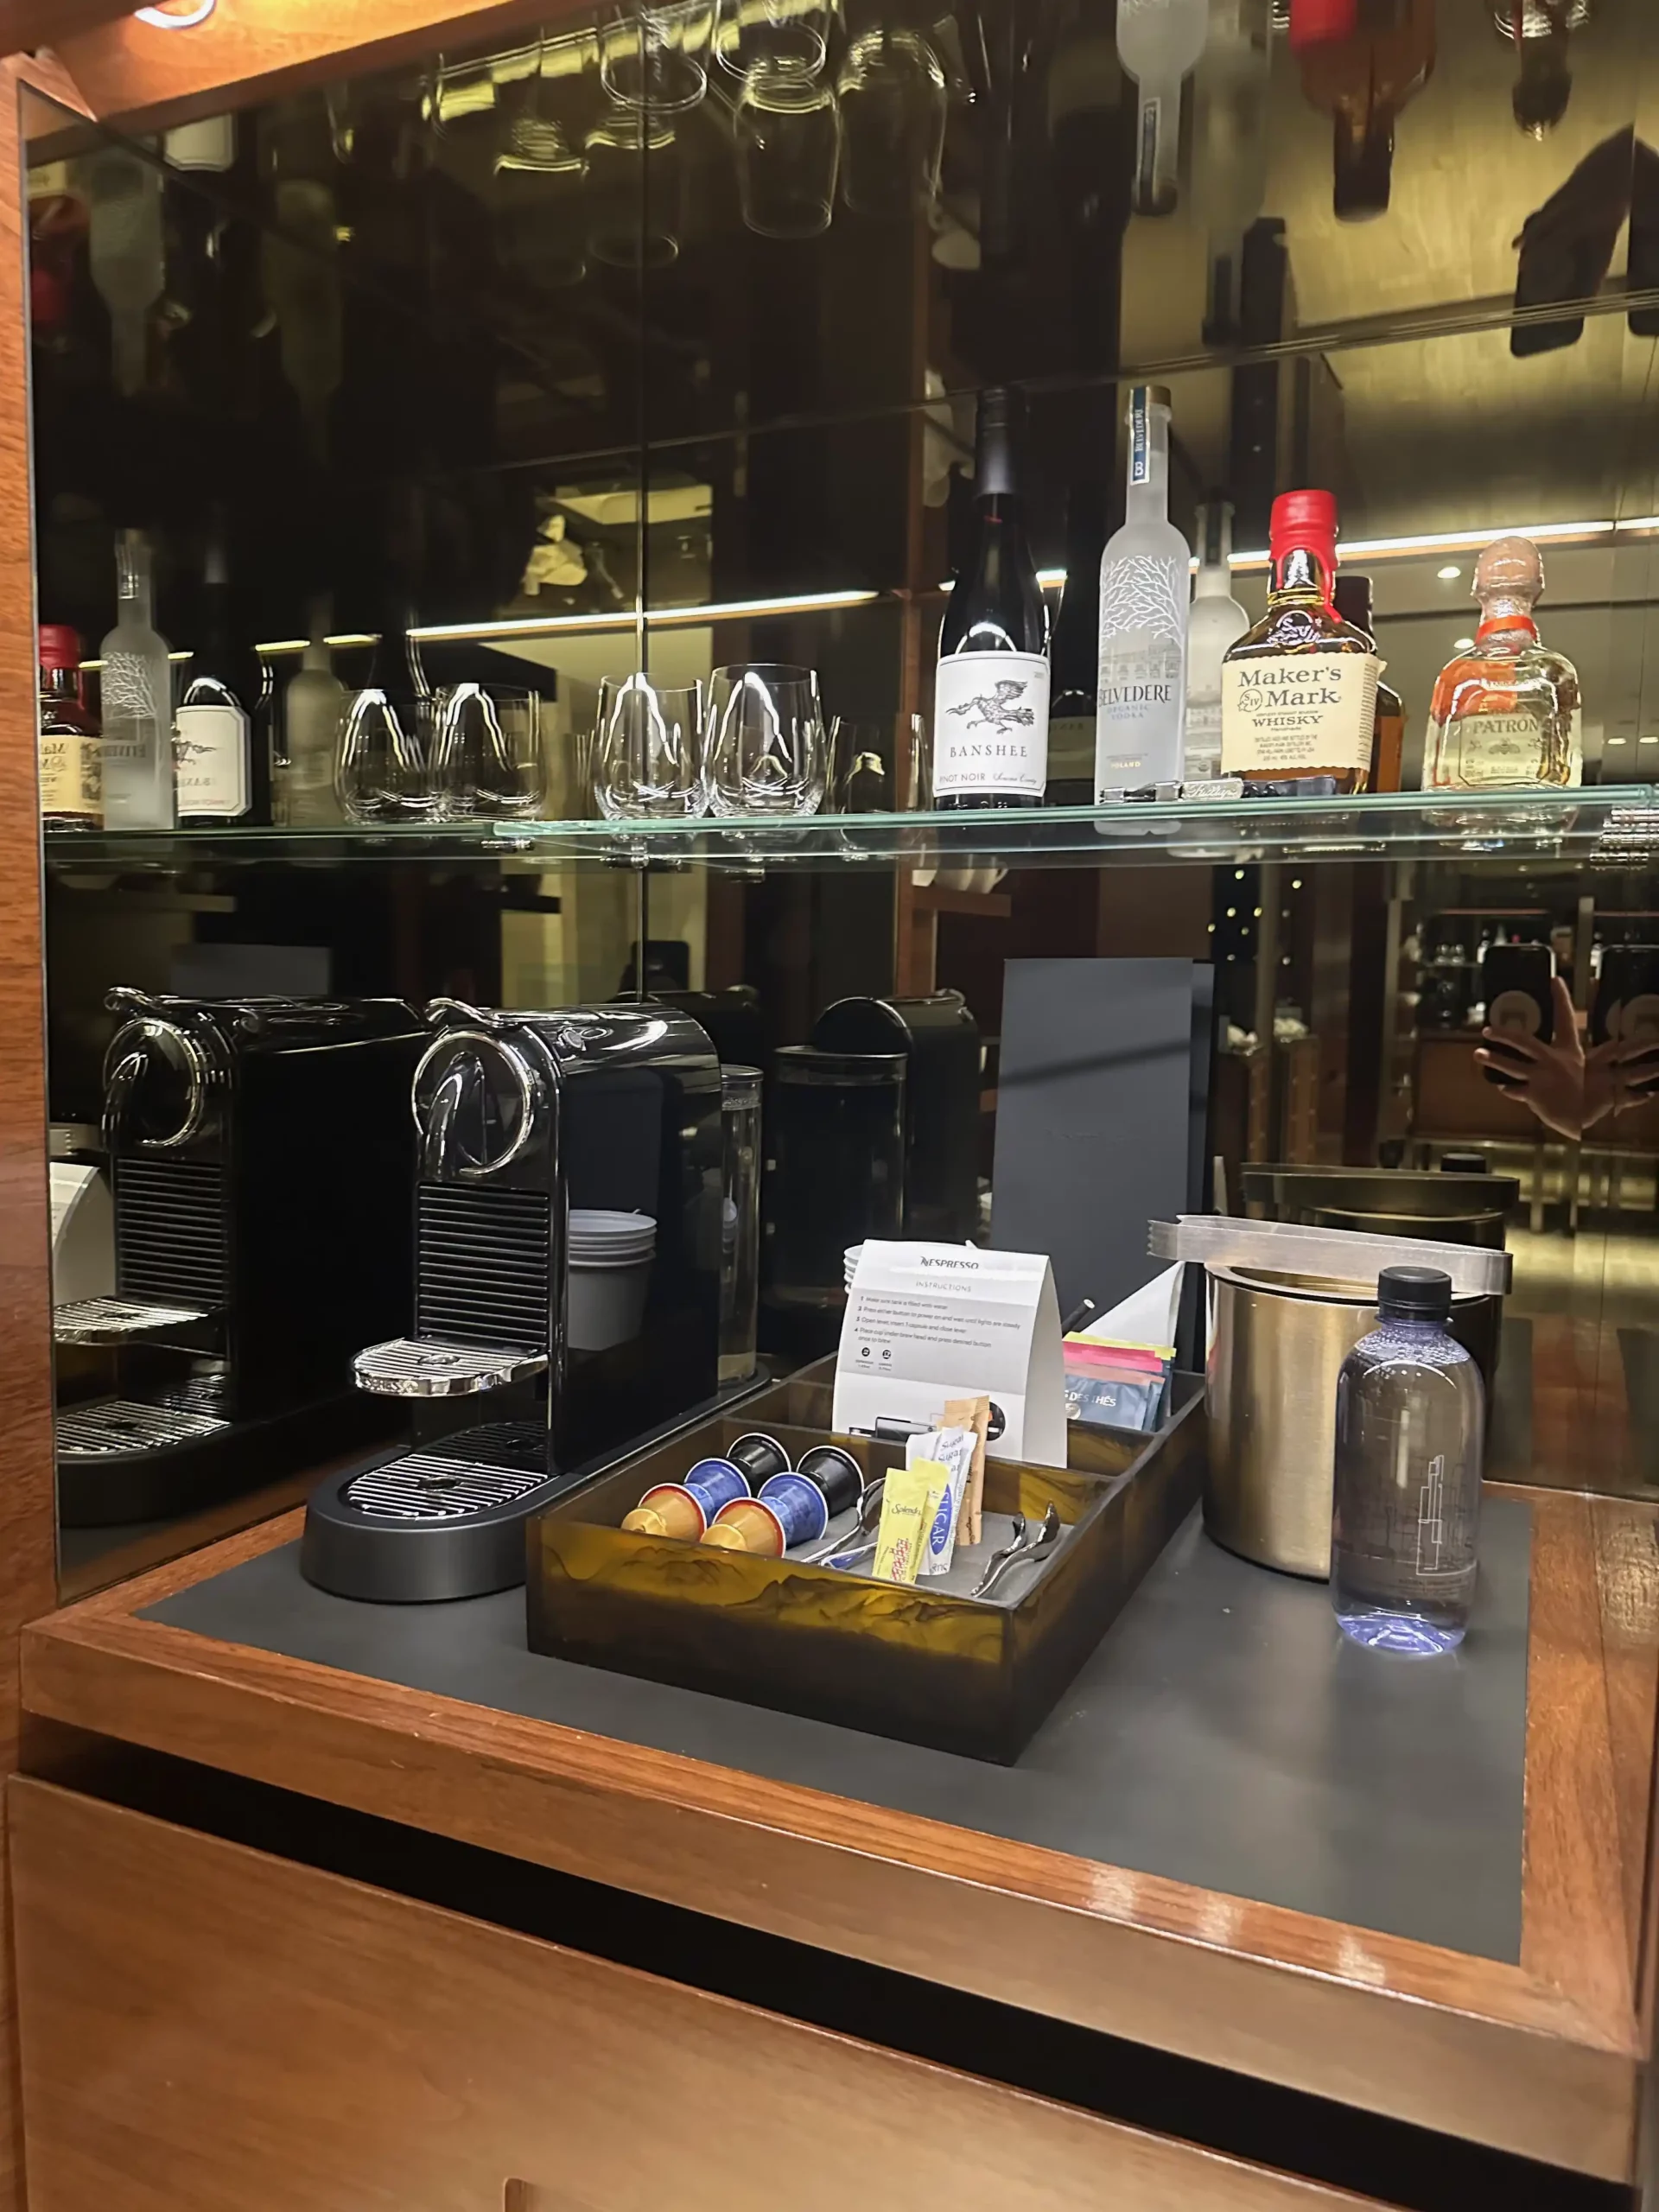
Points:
[(126, 252), (138, 693), (1213, 621), (312, 705), (1411, 1427), (1144, 582), (1157, 42)]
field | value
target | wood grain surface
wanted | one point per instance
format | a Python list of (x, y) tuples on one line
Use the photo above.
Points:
[(28, 1525), (27, 23), (316, 2045), (1543, 2058), (251, 48)]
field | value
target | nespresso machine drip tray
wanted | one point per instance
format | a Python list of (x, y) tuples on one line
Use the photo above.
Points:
[(447, 1521)]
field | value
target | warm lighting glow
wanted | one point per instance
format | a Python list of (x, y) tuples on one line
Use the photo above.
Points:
[(659, 618), (1463, 645), (1450, 574), (176, 19)]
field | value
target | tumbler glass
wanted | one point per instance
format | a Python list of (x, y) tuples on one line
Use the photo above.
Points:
[(767, 747), (748, 32), (487, 752), (381, 764), (653, 58), (739, 1226), (893, 105), (648, 751), (787, 134)]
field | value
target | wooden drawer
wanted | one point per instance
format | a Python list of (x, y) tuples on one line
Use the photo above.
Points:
[(204, 2027)]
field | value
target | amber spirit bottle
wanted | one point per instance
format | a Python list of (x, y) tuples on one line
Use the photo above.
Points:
[(1505, 713), (71, 767), (1299, 689), (1353, 600)]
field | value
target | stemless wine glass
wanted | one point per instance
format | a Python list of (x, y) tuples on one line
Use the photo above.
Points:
[(787, 134), (766, 743), (487, 752), (648, 751), (380, 764), (893, 105), (752, 31), (652, 58)]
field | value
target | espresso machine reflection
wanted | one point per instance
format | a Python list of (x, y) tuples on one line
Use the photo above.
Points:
[(567, 1286), (233, 1129)]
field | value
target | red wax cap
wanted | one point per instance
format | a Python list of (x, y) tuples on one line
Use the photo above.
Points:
[(1304, 518), (1318, 23), (59, 645)]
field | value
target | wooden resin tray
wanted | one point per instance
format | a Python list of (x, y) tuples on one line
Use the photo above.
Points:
[(976, 1676)]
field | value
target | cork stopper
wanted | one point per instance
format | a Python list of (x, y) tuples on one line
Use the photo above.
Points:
[(1510, 568)]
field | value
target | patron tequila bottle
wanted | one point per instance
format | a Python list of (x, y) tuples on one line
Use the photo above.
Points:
[(1299, 689), (1505, 713)]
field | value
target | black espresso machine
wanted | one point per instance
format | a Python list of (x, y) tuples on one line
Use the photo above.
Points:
[(567, 1286), (259, 1235)]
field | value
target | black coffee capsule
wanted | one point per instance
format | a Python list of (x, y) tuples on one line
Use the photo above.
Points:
[(760, 1457), (836, 1474)]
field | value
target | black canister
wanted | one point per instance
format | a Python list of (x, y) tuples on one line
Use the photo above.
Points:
[(835, 1142)]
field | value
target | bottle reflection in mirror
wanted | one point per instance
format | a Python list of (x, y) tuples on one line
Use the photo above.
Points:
[(1075, 657), (1160, 43), (1540, 31), (990, 716), (891, 91), (311, 705), (999, 43), (1352, 596), (787, 139), (137, 699), (1229, 149), (1362, 82), (301, 277), (124, 194), (1091, 119), (861, 777), (1143, 608)]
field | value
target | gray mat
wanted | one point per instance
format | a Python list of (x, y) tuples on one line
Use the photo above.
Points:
[(1222, 1734)]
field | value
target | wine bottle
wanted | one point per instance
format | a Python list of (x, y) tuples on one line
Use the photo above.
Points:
[(70, 768), (224, 775), (137, 694), (1143, 599), (990, 716), (1076, 655)]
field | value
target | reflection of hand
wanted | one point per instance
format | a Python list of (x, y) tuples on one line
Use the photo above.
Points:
[(1550, 1078), (1572, 235), (1625, 1071)]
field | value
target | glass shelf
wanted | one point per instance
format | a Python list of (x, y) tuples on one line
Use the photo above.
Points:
[(1615, 825)]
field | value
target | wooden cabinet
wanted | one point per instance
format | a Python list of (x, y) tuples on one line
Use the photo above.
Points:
[(208, 2027)]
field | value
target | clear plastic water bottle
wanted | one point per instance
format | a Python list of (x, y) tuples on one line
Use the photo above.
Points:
[(1410, 1423)]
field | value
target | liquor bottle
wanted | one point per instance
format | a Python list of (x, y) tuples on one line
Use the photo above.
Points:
[(1353, 602), (990, 716), (1506, 712), (1410, 1421), (1362, 83), (1143, 596), (1159, 41), (71, 770), (1091, 120), (1321, 23), (137, 694), (1540, 31), (1075, 651), (1229, 149), (127, 254), (1299, 688), (312, 705), (1214, 620), (224, 774)]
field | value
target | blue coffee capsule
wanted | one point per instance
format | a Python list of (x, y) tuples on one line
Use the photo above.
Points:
[(799, 1504), (715, 1483), (836, 1474)]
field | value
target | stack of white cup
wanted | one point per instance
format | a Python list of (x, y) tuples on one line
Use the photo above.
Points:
[(610, 1257)]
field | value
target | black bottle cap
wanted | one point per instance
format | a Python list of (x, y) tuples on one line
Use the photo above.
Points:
[(1413, 1295), (997, 434), (1352, 592)]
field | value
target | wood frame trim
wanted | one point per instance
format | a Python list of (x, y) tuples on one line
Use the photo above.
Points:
[(1544, 2058)]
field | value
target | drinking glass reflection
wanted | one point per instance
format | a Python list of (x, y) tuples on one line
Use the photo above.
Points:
[(788, 140), (381, 772), (647, 751), (633, 189), (487, 752), (892, 108), (749, 32), (653, 60), (766, 745)]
